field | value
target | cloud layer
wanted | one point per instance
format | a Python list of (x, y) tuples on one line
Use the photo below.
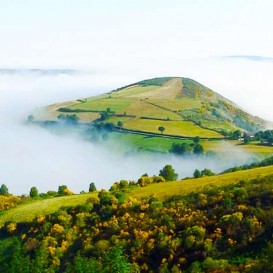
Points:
[(32, 156)]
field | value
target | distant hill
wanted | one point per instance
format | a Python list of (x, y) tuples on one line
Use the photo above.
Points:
[(182, 106)]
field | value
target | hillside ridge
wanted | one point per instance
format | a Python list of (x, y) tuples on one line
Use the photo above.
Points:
[(174, 100)]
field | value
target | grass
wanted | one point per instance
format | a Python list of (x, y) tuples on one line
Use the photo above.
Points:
[(182, 128), (152, 143), (133, 91), (144, 109), (221, 147), (257, 148), (28, 211), (102, 104), (168, 189), (178, 104)]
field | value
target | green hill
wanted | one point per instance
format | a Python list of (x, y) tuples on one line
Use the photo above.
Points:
[(183, 106), (26, 212)]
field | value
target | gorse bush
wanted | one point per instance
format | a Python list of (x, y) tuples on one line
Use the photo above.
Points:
[(209, 231)]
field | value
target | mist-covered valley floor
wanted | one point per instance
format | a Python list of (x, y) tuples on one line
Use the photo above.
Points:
[(33, 156)]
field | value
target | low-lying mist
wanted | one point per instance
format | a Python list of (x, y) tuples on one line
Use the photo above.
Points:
[(32, 156)]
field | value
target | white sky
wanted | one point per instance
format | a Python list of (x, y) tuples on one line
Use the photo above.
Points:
[(87, 32), (140, 39), (107, 32)]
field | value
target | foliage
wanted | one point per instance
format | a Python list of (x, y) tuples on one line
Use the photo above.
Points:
[(104, 115), (161, 129), (120, 124), (181, 149), (34, 192), (168, 173), (72, 119), (266, 162), (207, 172), (219, 229), (145, 180), (8, 202), (197, 174), (187, 149), (92, 187), (198, 149), (265, 136), (236, 134), (4, 190), (63, 190)]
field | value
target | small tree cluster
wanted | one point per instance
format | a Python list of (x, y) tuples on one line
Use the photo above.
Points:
[(63, 190), (188, 148), (144, 181), (205, 172), (69, 119), (168, 173)]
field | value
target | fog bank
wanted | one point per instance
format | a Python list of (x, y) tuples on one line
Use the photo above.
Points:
[(32, 156)]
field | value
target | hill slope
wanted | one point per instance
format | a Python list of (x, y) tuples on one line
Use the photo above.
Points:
[(27, 212), (217, 229), (182, 106)]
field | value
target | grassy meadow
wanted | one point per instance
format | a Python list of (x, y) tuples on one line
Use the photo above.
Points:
[(165, 190), (26, 212)]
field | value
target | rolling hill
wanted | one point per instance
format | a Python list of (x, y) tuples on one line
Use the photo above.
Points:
[(183, 106), (28, 211)]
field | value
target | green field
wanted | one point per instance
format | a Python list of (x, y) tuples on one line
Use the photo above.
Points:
[(176, 128), (225, 145), (148, 143), (184, 187), (39, 207), (102, 105), (34, 208)]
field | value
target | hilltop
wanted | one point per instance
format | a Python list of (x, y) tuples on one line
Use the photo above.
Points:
[(183, 106)]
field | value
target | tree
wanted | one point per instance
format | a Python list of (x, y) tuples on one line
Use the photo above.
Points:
[(104, 115), (270, 140), (181, 149), (70, 119), (92, 187), (115, 261), (61, 189), (161, 129), (196, 139), (198, 149), (168, 173), (207, 172), (236, 134), (74, 119), (197, 173), (4, 190), (33, 192), (247, 138), (120, 124)]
